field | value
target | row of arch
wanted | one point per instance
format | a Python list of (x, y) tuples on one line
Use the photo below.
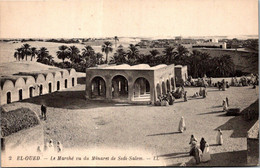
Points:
[(163, 87), (120, 88), (30, 84)]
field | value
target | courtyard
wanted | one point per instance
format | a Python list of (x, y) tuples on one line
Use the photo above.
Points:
[(81, 124)]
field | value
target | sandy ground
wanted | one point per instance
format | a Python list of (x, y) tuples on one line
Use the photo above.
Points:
[(78, 123)]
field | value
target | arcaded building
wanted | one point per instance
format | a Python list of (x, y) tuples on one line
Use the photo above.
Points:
[(133, 84), (24, 85)]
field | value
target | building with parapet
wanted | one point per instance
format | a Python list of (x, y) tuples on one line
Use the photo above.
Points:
[(132, 84)]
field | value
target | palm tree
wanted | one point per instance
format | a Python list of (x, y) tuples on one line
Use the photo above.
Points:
[(169, 53), (33, 52), (99, 57), (194, 61), (107, 47), (116, 39), (62, 53), (132, 53), (120, 56), (88, 54), (224, 66), (181, 55), (18, 54), (21, 53), (27, 50), (152, 57), (43, 53), (74, 54)]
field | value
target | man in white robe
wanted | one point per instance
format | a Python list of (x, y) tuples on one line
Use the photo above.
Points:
[(182, 126), (219, 138)]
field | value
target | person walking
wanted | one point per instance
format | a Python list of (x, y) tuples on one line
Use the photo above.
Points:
[(197, 154), (42, 110), (202, 144), (225, 108), (219, 138), (192, 138), (227, 102), (182, 126), (205, 154), (185, 96)]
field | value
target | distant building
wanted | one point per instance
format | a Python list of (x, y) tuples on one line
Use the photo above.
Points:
[(213, 43), (178, 38), (133, 84)]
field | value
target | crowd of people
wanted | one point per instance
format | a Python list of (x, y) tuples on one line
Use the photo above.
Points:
[(202, 92), (253, 79), (169, 98), (200, 151)]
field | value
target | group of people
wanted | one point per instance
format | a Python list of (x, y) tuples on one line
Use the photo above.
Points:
[(245, 81), (200, 82), (202, 92), (223, 85), (200, 152), (165, 100), (169, 98), (50, 148)]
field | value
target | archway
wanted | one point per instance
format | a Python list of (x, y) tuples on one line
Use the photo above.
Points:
[(168, 86), (41, 87), (9, 98), (158, 90), (58, 85), (31, 91), (73, 81), (50, 90), (142, 90), (119, 87), (172, 83), (66, 83), (20, 94), (163, 88), (98, 87)]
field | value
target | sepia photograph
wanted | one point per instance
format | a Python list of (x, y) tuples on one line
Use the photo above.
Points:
[(167, 83)]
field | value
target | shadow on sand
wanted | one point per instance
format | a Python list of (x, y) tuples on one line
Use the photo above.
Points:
[(236, 158), (238, 124), (72, 100), (169, 133), (175, 155), (216, 106), (212, 112)]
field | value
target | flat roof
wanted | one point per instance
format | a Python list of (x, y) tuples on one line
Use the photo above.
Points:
[(129, 67)]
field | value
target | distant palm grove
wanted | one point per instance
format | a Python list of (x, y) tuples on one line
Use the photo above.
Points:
[(199, 63)]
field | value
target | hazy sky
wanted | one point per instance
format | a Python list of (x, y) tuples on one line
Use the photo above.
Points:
[(105, 18)]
